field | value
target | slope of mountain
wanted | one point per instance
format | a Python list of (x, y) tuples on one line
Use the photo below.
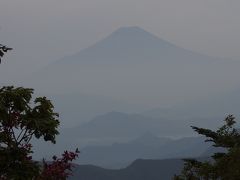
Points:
[(130, 44), (151, 140), (111, 128), (123, 125), (119, 155), (76, 108), (138, 170)]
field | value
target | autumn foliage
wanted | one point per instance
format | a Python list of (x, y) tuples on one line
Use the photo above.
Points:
[(59, 168)]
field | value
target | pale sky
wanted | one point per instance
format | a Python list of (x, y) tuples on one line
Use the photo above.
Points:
[(42, 31)]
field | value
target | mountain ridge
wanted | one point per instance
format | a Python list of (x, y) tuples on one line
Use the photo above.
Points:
[(139, 170)]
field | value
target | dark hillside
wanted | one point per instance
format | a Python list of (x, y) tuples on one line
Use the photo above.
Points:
[(138, 170)]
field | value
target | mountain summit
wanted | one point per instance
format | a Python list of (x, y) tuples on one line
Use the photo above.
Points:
[(135, 37)]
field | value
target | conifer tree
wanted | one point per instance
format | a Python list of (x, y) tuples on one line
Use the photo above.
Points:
[(223, 165)]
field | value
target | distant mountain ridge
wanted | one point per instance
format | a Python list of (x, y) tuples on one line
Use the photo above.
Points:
[(119, 155), (135, 135), (122, 125), (138, 170)]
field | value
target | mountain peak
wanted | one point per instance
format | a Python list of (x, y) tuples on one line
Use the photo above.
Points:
[(132, 31), (129, 42)]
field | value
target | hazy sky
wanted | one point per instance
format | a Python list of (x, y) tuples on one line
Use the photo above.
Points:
[(41, 31)]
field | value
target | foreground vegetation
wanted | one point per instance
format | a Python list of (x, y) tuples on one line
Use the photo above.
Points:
[(21, 120), (223, 165)]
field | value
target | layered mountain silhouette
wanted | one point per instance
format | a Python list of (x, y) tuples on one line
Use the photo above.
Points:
[(119, 155), (138, 170), (118, 125), (131, 136)]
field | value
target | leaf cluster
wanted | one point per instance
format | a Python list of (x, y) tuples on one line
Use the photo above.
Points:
[(21, 119)]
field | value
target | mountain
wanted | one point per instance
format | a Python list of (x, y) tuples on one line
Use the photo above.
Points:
[(115, 139), (118, 125), (138, 170), (136, 66), (76, 108), (128, 44), (151, 140), (113, 127), (119, 155)]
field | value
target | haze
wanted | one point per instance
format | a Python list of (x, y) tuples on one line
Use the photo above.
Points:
[(43, 31), (128, 77)]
